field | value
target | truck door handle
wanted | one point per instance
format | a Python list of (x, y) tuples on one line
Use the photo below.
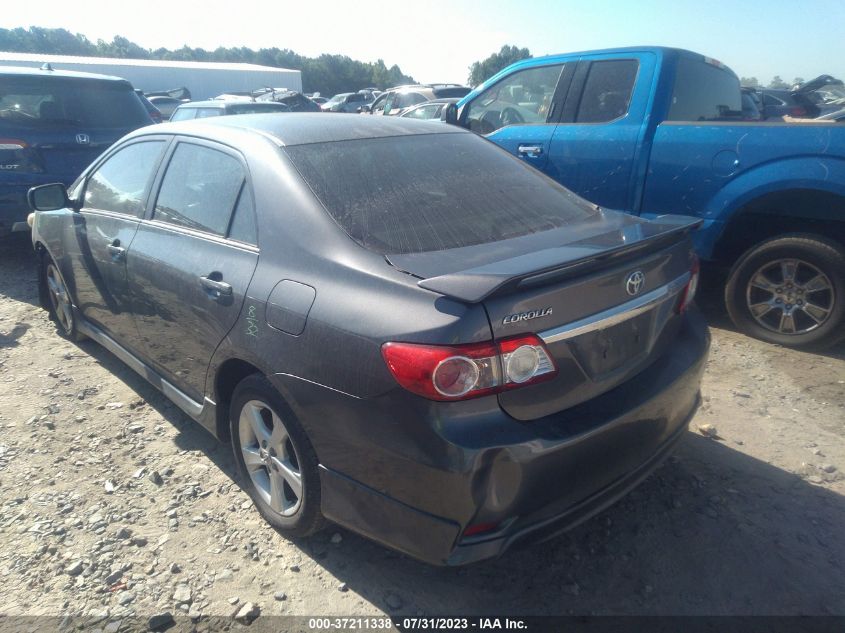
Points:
[(117, 252), (216, 287), (532, 151)]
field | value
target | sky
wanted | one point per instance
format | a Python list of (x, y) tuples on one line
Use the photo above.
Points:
[(437, 40)]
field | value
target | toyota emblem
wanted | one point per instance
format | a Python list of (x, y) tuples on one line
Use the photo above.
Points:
[(635, 282)]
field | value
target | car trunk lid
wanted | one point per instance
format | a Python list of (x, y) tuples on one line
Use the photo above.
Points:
[(602, 297)]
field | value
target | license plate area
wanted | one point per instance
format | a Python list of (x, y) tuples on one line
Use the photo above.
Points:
[(611, 349)]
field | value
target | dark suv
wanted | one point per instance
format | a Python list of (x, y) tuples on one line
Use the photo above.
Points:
[(52, 125)]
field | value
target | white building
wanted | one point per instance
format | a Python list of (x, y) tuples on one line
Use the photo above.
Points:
[(205, 80)]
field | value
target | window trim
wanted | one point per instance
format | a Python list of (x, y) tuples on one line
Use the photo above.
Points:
[(149, 215), (145, 197)]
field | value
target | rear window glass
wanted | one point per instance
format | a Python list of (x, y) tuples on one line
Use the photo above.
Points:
[(42, 102), (607, 92), (246, 108), (413, 194), (704, 92)]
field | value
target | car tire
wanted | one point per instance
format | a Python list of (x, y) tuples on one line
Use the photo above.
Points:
[(59, 301), (275, 458), (790, 290)]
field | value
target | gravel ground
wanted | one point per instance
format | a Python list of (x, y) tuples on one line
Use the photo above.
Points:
[(113, 503)]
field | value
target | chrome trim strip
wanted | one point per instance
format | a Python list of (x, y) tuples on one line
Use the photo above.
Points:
[(617, 314), (180, 399)]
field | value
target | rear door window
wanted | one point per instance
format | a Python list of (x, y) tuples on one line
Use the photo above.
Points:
[(200, 188), (607, 91), (49, 102), (430, 192), (704, 92), (119, 184)]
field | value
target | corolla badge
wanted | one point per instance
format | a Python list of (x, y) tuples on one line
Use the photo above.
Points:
[(526, 316), (635, 282), (83, 139)]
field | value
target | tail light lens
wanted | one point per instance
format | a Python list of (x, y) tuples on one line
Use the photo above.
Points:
[(460, 372), (17, 156), (688, 293), (797, 111)]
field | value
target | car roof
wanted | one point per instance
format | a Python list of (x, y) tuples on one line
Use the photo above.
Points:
[(67, 74), (302, 128), (223, 103)]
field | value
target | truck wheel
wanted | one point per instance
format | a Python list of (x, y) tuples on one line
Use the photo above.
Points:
[(275, 459), (790, 290)]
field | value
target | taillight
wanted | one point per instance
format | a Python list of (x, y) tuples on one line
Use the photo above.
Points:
[(688, 293), (459, 372), (17, 156), (797, 111)]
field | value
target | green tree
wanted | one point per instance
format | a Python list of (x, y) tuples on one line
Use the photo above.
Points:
[(749, 82), (778, 83), (486, 68)]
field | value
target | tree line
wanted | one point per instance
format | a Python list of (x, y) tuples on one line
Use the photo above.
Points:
[(326, 74)]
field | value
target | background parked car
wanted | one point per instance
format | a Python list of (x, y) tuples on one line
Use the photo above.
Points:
[(204, 109), (52, 125), (428, 110), (165, 105), (812, 99), (348, 101), (396, 101), (296, 101), (154, 112)]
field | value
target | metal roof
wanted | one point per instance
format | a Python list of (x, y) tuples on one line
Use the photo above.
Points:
[(6, 57), (28, 71)]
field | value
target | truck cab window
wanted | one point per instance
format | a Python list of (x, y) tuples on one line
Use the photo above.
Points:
[(704, 92)]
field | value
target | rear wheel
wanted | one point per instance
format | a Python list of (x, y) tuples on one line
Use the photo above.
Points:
[(60, 305), (791, 291), (275, 459)]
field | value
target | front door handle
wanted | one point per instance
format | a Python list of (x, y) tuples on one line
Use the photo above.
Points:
[(532, 151), (216, 287), (117, 252)]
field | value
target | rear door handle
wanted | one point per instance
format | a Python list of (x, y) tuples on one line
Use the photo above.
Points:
[(216, 287), (532, 151), (117, 252)]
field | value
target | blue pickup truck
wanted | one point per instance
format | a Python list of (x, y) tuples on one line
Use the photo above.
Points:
[(656, 130)]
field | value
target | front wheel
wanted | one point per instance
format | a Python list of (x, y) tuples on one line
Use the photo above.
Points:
[(791, 291), (275, 459), (60, 305)]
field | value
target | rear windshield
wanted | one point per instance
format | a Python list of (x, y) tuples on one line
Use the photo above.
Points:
[(245, 108), (431, 192), (40, 102)]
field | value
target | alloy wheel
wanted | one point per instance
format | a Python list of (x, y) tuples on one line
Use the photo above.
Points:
[(59, 298), (270, 458), (790, 296)]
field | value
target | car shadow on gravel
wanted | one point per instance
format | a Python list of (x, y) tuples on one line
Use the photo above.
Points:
[(18, 279)]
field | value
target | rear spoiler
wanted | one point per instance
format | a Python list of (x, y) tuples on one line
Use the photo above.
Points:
[(474, 285)]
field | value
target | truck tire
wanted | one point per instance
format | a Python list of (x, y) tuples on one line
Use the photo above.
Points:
[(790, 290)]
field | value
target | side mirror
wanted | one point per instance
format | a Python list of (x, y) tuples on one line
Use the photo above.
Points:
[(48, 197), (449, 114)]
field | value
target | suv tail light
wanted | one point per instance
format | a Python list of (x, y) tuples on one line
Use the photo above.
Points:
[(688, 293), (17, 156), (797, 111), (460, 372)]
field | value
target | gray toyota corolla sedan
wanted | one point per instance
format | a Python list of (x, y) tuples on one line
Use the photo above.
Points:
[(398, 326)]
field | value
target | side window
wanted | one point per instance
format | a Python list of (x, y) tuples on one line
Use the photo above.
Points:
[(378, 104), (243, 222), (423, 112), (388, 102), (523, 97), (183, 114), (204, 113), (408, 99), (118, 184), (199, 189), (704, 92), (607, 91)]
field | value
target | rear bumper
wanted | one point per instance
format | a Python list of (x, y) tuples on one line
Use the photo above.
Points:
[(416, 483)]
